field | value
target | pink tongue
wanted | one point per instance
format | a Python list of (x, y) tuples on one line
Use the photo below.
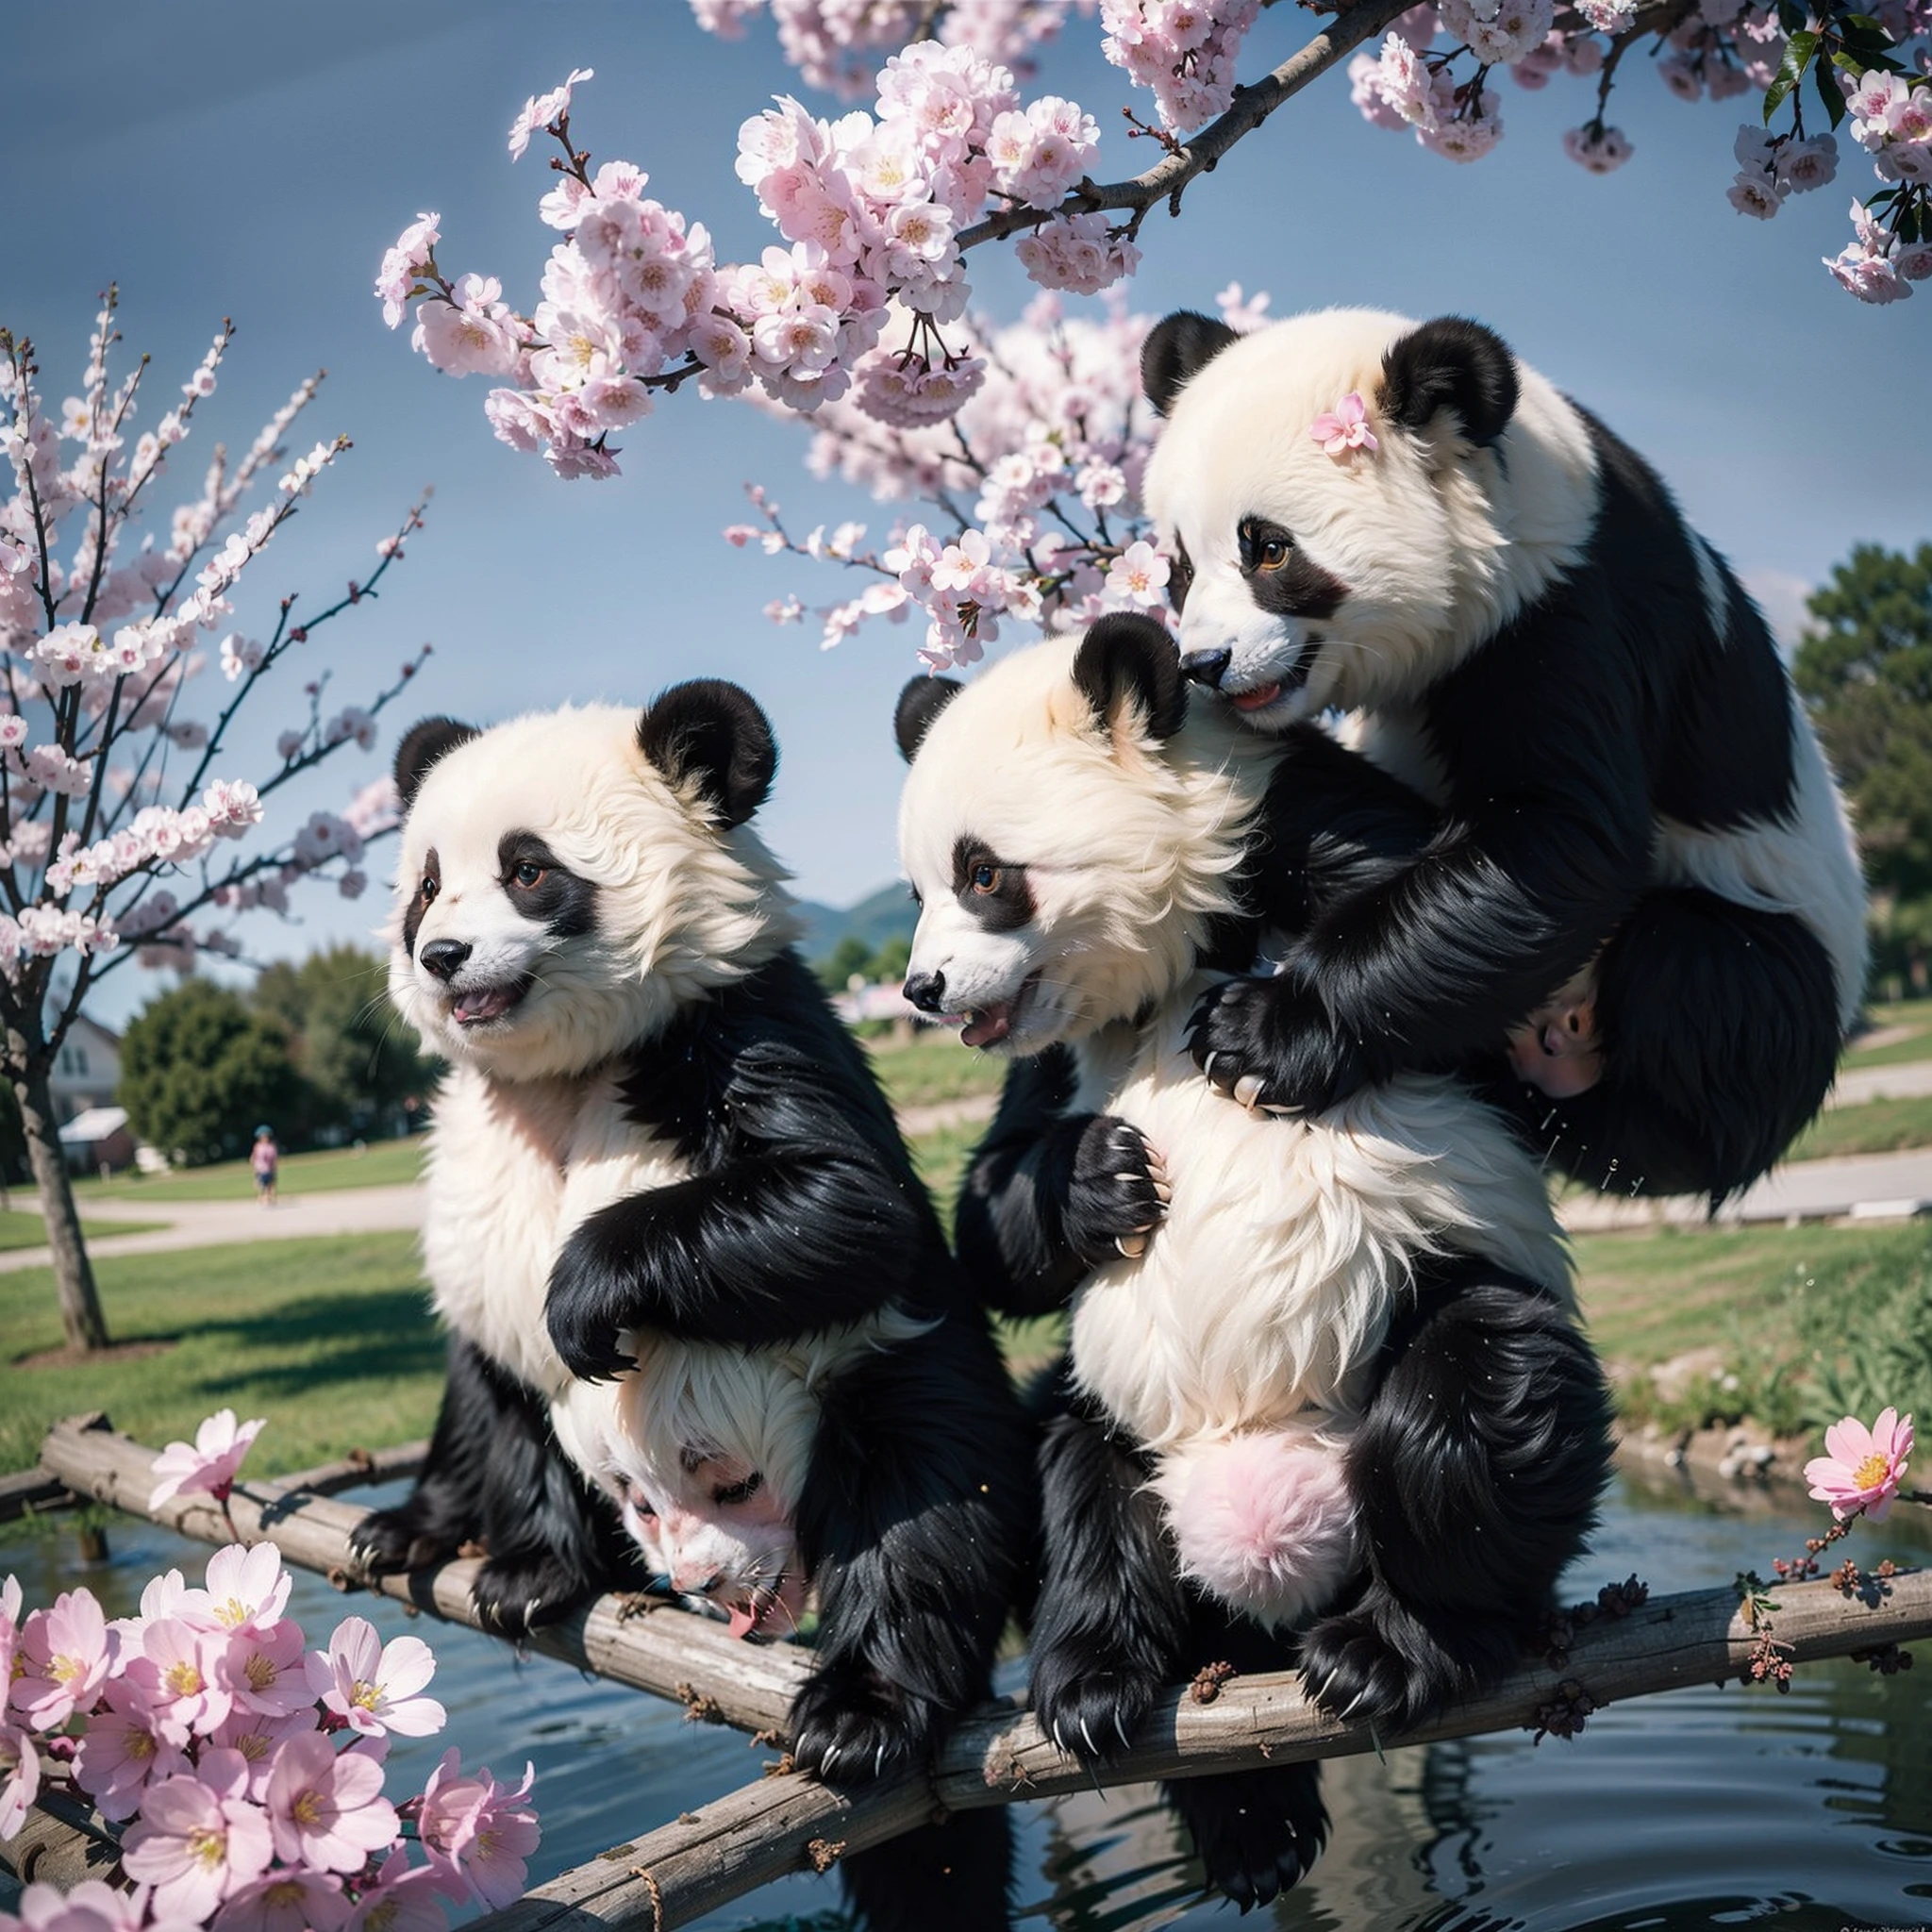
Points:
[(742, 1622), (484, 1006), (987, 1028), (1255, 700)]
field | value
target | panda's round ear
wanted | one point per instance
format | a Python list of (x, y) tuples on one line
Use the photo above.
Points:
[(712, 733), (1450, 363), (920, 703), (1127, 659), (422, 745), (1177, 349)]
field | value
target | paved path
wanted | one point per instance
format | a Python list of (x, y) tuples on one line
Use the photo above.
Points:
[(1878, 1187), (1909, 1080), (219, 1223)]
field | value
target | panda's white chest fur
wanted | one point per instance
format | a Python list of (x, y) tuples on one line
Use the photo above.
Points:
[(1269, 1284), (514, 1167)]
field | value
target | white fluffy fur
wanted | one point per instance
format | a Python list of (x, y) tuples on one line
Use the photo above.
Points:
[(531, 1134), (1262, 1299), (1440, 545)]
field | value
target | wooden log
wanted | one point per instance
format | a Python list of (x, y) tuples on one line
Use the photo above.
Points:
[(30, 1492), (641, 1642), (60, 1841), (789, 1824), (358, 1467)]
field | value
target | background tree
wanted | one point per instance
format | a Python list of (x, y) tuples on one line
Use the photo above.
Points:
[(1866, 672), (200, 1071), (359, 1062), (107, 784)]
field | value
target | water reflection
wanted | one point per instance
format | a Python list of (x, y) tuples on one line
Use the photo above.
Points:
[(1703, 1807)]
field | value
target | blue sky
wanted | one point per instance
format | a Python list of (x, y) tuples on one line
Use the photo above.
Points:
[(217, 157)]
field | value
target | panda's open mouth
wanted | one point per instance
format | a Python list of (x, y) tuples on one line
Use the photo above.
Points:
[(1258, 697), (988, 1026), (481, 1006)]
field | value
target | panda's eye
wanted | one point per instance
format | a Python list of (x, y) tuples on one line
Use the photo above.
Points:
[(1271, 552), (733, 1493), (636, 1497), (430, 887), (528, 875), (984, 877)]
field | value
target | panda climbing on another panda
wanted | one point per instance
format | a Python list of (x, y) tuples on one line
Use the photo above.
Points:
[(672, 1226), (1585, 819), (1324, 1376)]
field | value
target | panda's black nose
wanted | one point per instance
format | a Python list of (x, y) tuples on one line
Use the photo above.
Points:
[(1207, 667), (927, 992), (442, 957)]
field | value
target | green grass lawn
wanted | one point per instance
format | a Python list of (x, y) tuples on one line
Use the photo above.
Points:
[(933, 1067), (27, 1230), (381, 1164), (1886, 1014), (1870, 1126), (331, 1341)]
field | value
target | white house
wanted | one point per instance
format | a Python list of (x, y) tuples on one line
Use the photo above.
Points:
[(87, 1070)]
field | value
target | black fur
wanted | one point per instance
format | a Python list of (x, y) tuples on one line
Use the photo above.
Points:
[(1294, 586), (920, 703), (1425, 933), (1003, 901), (426, 888), (494, 1474), (712, 733), (1177, 349), (1129, 660), (422, 743), (1455, 364), (559, 901)]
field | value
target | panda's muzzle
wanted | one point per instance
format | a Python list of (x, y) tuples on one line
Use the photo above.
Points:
[(477, 1005)]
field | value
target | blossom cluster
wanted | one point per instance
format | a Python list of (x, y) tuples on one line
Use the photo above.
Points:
[(1183, 50), (871, 207), (101, 635), (1722, 48), (1044, 463), (244, 1769)]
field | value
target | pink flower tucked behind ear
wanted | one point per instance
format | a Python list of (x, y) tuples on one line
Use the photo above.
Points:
[(1345, 427)]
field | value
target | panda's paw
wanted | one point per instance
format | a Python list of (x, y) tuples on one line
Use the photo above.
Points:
[(1117, 1193), (1256, 1835), (1091, 1705), (515, 1596), (404, 1537), (586, 1309), (851, 1726), (1352, 1670), (1271, 1043)]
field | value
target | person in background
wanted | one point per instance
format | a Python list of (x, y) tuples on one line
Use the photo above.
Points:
[(263, 1159)]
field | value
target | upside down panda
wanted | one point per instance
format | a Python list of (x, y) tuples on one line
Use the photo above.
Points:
[(672, 1227), (1323, 1373), (1584, 777)]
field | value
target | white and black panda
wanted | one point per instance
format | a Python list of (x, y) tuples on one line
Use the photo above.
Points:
[(1584, 745), (1324, 1374), (671, 1224)]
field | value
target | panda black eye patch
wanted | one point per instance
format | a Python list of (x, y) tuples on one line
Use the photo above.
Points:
[(1180, 576), (542, 890), (1281, 575), (992, 890), (426, 888)]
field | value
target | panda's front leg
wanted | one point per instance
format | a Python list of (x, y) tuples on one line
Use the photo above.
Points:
[(1111, 1627), (1272, 1044)]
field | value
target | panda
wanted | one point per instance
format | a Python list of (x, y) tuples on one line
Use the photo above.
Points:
[(672, 1227), (1325, 1373), (1582, 838)]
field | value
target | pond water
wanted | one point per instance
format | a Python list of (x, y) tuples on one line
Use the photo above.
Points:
[(1701, 1807)]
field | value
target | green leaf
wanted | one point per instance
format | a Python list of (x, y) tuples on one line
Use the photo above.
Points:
[(1798, 53), (1828, 93)]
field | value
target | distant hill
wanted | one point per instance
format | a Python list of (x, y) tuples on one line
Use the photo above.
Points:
[(880, 916)]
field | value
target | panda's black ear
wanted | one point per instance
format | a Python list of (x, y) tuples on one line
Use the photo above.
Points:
[(712, 733), (1177, 349), (422, 745), (1450, 363), (1127, 658), (920, 703)]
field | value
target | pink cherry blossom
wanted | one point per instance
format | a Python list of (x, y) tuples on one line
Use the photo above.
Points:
[(208, 1466), (1863, 1468), (247, 1588), (375, 1687), (64, 1656), (412, 253), (20, 1775), (181, 1670), (481, 1832), (123, 1750), (326, 1810), (286, 1901), (539, 110), (1345, 427), (196, 1840), (91, 1906), (1139, 574)]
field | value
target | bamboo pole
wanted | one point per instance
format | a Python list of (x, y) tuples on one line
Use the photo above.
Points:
[(641, 1642), (793, 1823)]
